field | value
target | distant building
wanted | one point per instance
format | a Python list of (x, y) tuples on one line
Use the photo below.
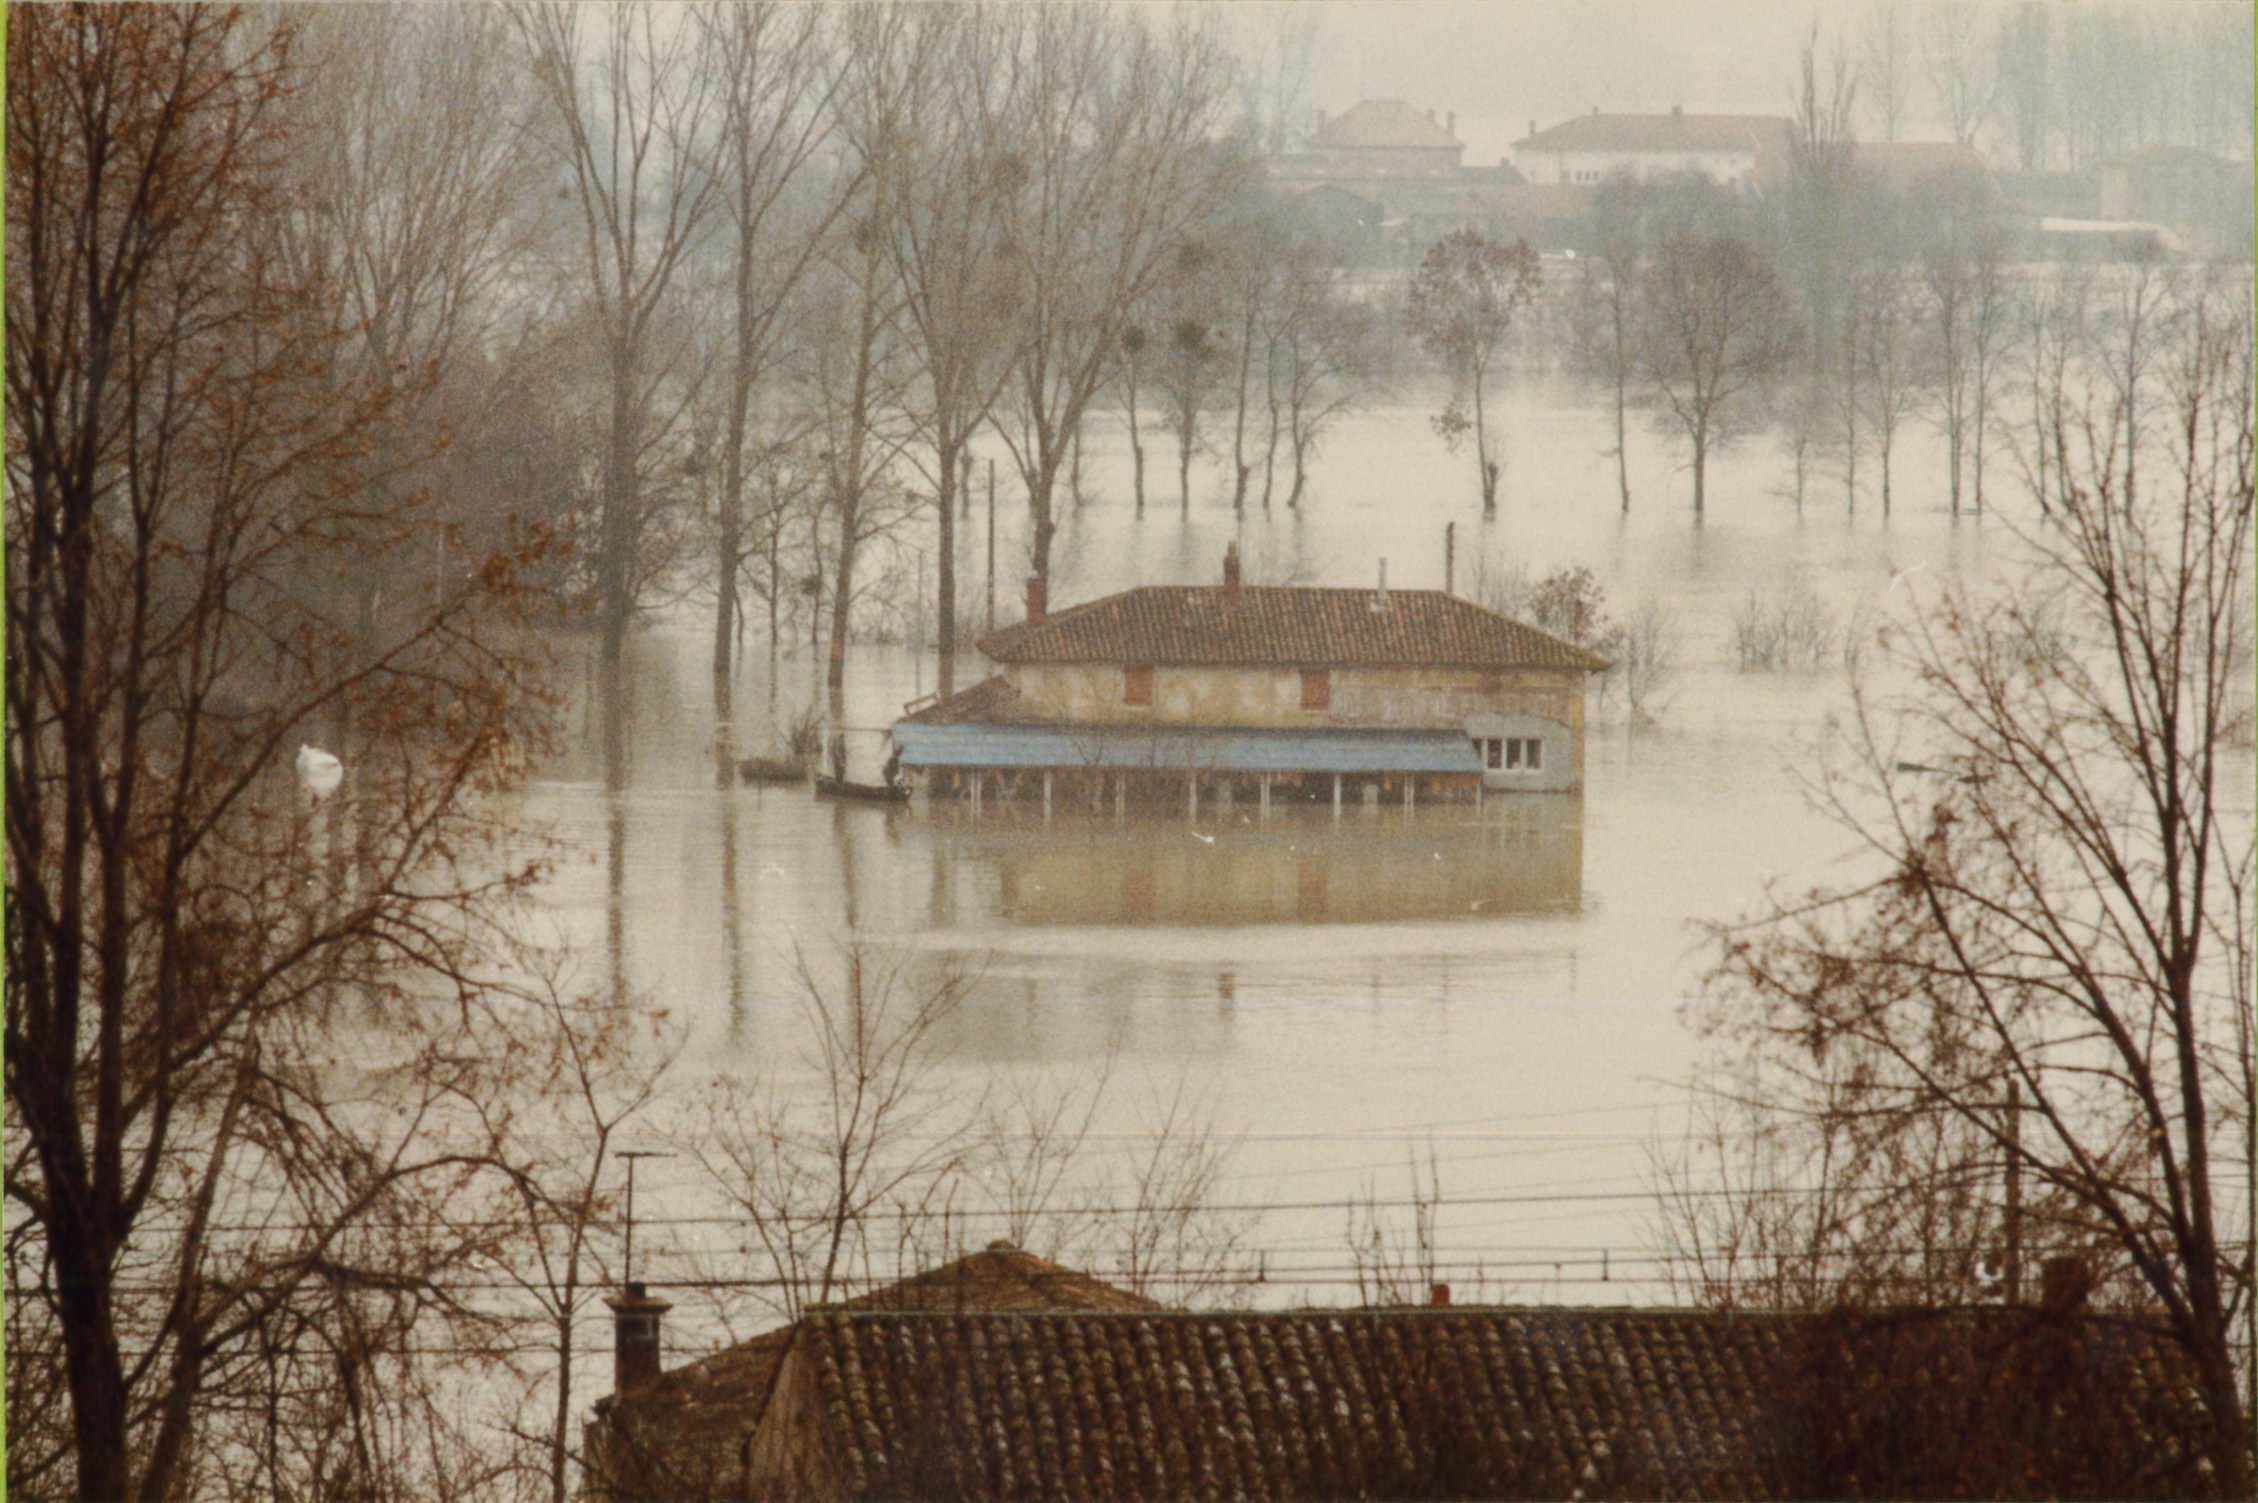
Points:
[(1249, 691), (1731, 150), (1003, 1376), (2202, 198), (1379, 140)]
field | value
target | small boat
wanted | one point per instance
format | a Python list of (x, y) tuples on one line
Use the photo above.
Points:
[(771, 770), (863, 793)]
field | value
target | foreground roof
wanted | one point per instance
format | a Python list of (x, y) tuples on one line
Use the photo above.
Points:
[(1554, 1403), (1660, 133), (679, 1436), (1276, 625)]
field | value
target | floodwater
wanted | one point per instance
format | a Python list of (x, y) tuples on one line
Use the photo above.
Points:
[(1507, 984)]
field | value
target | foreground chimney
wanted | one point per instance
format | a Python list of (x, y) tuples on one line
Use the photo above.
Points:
[(1231, 572), (1438, 1295), (2064, 1284), (1380, 596), (636, 1319), (1037, 595)]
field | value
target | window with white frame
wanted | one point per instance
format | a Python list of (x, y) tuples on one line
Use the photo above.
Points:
[(1512, 753)]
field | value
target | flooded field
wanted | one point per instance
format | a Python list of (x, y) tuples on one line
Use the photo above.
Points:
[(1508, 983)]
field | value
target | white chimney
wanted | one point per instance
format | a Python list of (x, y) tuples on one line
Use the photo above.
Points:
[(1380, 599)]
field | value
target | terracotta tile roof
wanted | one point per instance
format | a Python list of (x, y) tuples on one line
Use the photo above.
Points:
[(1491, 1403), (678, 1437), (1662, 133), (1386, 123), (1002, 1277), (1284, 626)]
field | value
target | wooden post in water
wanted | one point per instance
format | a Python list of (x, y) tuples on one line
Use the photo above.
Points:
[(1046, 795), (1266, 795), (1192, 784), (1336, 795), (1120, 794)]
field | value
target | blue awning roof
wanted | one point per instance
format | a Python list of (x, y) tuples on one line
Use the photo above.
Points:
[(1183, 749)]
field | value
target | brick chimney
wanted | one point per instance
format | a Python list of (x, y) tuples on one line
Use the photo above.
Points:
[(636, 1324), (1231, 572), (1037, 597), (2064, 1285), (1438, 1295)]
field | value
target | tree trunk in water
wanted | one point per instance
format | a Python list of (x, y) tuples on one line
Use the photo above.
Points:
[(842, 596), (1136, 449), (1701, 472), (945, 571), (1622, 449), (1184, 474), (1482, 450), (612, 571)]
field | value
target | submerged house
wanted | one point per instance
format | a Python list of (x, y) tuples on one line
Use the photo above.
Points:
[(1253, 692), (1005, 1377)]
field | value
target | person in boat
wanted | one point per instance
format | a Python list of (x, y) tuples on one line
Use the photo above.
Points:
[(893, 774)]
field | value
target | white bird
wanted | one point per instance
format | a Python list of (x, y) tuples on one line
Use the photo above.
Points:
[(1210, 839), (319, 771)]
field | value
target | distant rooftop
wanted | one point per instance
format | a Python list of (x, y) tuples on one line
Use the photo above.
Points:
[(1385, 124), (1661, 133)]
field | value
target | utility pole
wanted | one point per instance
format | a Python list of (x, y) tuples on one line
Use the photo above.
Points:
[(631, 1155)]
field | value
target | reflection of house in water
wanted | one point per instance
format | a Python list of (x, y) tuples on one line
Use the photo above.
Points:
[(1514, 856), (1243, 695)]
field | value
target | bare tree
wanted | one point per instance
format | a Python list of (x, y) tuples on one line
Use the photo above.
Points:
[(1716, 328), (2052, 961), (1464, 298), (1189, 368), (1962, 267), (628, 110), (1116, 127), (223, 1075), (1818, 244), (961, 279), (859, 362), (1131, 358), (599, 1069), (1607, 307), (1960, 69), (1891, 346), (1886, 61), (847, 1170), (778, 82), (1326, 357), (2025, 49)]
